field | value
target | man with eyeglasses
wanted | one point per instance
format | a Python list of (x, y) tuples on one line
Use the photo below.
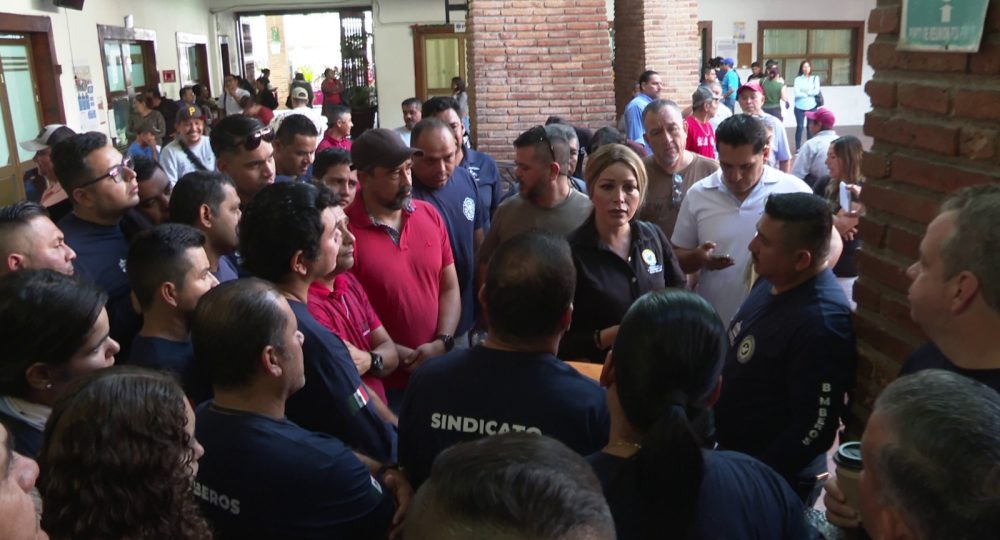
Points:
[(454, 193), (242, 147), (671, 169), (545, 201), (404, 258), (102, 187)]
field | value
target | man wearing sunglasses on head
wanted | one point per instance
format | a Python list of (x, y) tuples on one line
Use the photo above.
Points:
[(242, 147), (102, 187)]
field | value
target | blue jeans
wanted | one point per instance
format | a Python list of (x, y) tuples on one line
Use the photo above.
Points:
[(800, 126)]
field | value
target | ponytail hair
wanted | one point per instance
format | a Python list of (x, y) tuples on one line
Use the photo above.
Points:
[(668, 358)]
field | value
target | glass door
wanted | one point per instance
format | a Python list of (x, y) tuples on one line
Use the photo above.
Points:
[(20, 117)]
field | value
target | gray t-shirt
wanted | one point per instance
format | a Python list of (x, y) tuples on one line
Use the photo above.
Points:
[(659, 207), (516, 216)]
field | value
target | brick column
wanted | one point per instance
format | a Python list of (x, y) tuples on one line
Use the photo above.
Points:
[(661, 35), (935, 128), (530, 60)]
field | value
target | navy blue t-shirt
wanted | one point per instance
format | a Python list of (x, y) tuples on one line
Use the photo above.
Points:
[(270, 479), (27, 438), (177, 357), (930, 357), (486, 174), (740, 498), (472, 393), (459, 204), (101, 251), (790, 362), (334, 400), (227, 270)]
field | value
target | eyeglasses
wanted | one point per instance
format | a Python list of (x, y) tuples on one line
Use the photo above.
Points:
[(539, 132), (116, 173), (252, 141), (677, 197)]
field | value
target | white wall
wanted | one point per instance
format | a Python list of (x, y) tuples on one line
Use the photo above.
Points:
[(76, 42), (849, 103)]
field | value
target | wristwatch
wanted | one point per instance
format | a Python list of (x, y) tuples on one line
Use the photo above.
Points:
[(449, 341), (377, 363)]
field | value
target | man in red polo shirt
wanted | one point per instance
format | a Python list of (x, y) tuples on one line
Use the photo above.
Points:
[(403, 258)]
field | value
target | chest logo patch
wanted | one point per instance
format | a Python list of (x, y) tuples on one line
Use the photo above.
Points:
[(469, 208), (745, 351), (649, 258)]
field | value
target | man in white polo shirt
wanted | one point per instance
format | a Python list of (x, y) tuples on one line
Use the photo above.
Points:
[(719, 215)]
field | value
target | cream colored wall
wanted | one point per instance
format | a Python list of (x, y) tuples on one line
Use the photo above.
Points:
[(76, 42)]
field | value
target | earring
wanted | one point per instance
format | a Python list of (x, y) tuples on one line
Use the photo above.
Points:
[(48, 386)]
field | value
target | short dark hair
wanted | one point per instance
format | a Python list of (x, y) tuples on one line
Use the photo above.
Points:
[(230, 130), (282, 219), (185, 89), (232, 324), (439, 104), (646, 75), (45, 317), (515, 485), (68, 159), (330, 157), (195, 189), (530, 282), (603, 136), (157, 256), (740, 130), (336, 112), (144, 168), (429, 124), (409, 102), (806, 222), (293, 125), (15, 216)]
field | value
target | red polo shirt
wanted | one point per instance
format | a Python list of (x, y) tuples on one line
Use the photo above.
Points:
[(329, 141), (346, 312), (403, 282)]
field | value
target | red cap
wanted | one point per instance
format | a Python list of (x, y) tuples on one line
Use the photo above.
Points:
[(822, 115), (752, 85)]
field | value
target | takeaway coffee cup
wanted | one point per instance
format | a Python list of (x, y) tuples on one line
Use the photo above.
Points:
[(849, 466)]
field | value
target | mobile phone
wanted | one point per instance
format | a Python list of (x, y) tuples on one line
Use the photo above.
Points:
[(848, 200)]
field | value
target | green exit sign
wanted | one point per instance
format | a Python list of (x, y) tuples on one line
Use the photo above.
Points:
[(942, 25)]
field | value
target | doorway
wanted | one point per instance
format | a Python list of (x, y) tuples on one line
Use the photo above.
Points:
[(439, 53), (20, 122), (705, 42), (129, 59)]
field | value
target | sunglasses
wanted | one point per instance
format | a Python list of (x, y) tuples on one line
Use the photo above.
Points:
[(253, 140), (116, 173), (677, 196), (539, 133)]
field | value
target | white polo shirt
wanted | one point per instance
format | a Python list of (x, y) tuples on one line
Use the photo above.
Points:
[(710, 212)]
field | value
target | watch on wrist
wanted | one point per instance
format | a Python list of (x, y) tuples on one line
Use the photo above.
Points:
[(449, 341), (378, 364)]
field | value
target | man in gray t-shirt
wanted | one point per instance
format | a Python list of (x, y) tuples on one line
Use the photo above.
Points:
[(546, 201)]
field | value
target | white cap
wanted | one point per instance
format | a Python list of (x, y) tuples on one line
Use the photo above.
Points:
[(45, 138)]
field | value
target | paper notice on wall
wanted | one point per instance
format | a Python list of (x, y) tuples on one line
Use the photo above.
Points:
[(726, 48), (739, 31), (90, 120)]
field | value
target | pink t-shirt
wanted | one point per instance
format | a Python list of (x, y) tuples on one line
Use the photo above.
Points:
[(329, 141), (700, 137), (346, 312), (403, 282)]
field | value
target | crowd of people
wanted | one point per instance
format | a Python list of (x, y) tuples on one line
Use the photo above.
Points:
[(277, 330)]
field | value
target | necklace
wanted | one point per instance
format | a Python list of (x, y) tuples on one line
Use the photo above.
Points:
[(625, 444)]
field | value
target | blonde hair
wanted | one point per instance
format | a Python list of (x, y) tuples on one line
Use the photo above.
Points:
[(608, 155)]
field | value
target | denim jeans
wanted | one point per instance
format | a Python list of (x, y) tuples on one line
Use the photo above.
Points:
[(800, 126)]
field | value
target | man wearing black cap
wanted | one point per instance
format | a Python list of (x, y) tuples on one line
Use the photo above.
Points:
[(41, 184), (190, 151), (404, 259)]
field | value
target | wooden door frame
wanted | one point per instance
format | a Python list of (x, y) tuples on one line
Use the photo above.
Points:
[(706, 55), (421, 31), (200, 42), (44, 66), (139, 35)]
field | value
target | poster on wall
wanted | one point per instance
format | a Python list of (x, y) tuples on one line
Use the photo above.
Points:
[(86, 100), (739, 31)]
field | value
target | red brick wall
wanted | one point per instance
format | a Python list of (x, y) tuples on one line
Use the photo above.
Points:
[(661, 35), (531, 59), (935, 130)]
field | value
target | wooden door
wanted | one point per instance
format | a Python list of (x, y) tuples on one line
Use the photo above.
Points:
[(439, 53)]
